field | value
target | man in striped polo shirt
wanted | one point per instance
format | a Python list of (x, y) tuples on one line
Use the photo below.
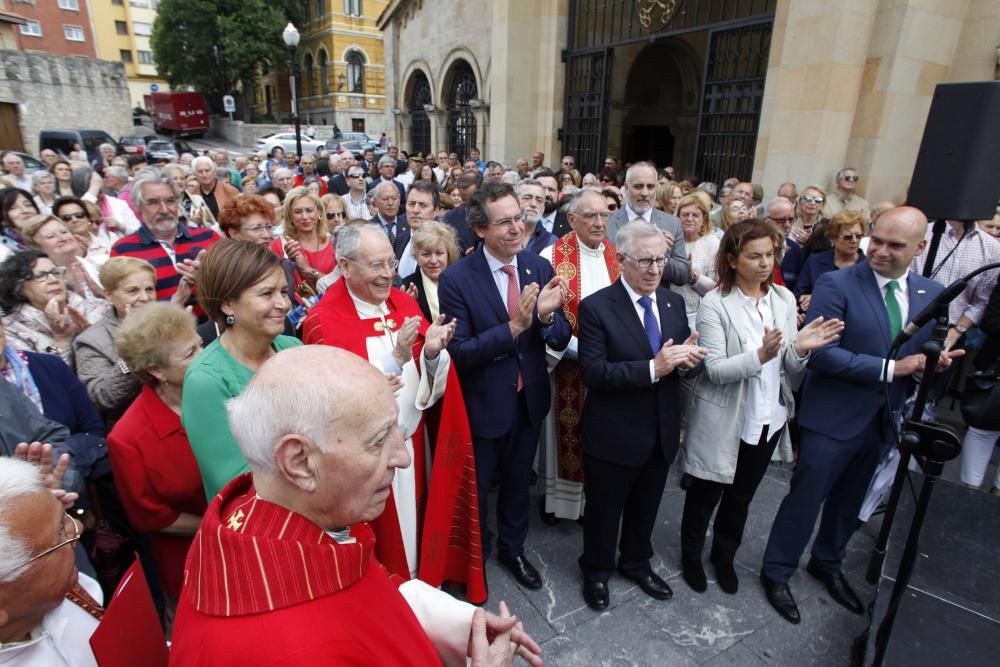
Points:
[(172, 248)]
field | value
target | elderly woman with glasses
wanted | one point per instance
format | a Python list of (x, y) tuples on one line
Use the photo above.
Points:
[(336, 214), (43, 184), (742, 401), (53, 237), (845, 231), (41, 314), (83, 218)]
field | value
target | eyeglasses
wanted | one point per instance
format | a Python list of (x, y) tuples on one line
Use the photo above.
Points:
[(169, 202), (71, 527), (646, 263), (334, 215), (379, 267), (55, 272), (507, 222), (70, 217), (812, 199), (851, 237), (257, 229), (782, 221), (594, 215), (852, 179)]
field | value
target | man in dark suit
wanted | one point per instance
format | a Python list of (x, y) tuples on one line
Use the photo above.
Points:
[(387, 202), (553, 220), (387, 171), (338, 173), (640, 189), (631, 358), (468, 182), (508, 305), (844, 428)]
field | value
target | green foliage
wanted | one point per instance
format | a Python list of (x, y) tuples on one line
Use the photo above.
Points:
[(211, 44)]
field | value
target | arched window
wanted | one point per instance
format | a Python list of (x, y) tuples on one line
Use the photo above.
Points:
[(355, 72), (320, 8), (307, 72), (420, 125), (461, 121), (324, 84)]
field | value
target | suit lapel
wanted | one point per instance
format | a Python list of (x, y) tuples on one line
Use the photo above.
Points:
[(667, 318), (918, 297), (488, 285), (873, 295), (626, 312), (737, 316)]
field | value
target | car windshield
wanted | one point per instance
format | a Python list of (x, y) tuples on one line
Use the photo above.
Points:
[(160, 146), (267, 136)]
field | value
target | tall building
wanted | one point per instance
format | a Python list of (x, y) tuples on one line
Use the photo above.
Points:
[(123, 28), (342, 70), (56, 27), (765, 90)]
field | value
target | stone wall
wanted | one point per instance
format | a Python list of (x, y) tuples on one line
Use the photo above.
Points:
[(56, 92)]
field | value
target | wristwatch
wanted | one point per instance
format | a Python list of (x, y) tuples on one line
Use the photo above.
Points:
[(960, 329)]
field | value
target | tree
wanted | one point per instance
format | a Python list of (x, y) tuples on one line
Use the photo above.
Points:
[(212, 44)]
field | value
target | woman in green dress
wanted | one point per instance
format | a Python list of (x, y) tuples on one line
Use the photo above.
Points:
[(242, 287)]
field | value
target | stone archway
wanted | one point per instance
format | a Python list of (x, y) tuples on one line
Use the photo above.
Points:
[(461, 91), (417, 99)]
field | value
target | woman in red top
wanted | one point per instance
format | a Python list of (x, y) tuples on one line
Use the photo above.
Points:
[(155, 472), (306, 240)]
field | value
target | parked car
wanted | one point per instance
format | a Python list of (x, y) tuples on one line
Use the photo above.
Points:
[(31, 163), (333, 142), (286, 140), (161, 150), (64, 141), (133, 145), (184, 147)]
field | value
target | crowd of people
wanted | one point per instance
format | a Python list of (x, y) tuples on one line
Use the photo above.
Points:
[(292, 385)]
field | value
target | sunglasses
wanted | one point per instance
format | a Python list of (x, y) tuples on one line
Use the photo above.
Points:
[(852, 179), (334, 215), (851, 237), (355, 175), (812, 199), (70, 217)]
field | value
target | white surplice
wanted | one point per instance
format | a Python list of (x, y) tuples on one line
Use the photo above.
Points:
[(422, 388), (564, 497)]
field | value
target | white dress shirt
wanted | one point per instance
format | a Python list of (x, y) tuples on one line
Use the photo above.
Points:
[(763, 406), (500, 276), (633, 216), (641, 314), (903, 299)]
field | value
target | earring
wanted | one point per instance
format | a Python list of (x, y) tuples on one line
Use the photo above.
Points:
[(230, 320)]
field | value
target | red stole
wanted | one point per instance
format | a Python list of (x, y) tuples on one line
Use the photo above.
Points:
[(450, 547), (568, 385)]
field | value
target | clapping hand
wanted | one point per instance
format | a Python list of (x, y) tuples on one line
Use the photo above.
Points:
[(495, 640), (294, 252), (52, 474), (668, 236), (395, 383), (405, 337), (412, 290), (525, 310), (770, 345), (60, 318), (438, 336), (551, 296), (685, 356), (816, 334)]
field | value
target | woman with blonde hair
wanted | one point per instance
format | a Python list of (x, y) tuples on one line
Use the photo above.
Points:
[(306, 239), (668, 195), (808, 213), (702, 247), (436, 247)]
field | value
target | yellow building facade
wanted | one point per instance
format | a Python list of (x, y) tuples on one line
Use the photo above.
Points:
[(122, 29), (341, 67)]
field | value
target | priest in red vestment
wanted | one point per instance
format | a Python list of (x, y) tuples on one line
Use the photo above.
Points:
[(430, 528), (283, 571)]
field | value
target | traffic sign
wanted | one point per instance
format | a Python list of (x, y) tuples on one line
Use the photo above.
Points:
[(228, 103), (154, 87)]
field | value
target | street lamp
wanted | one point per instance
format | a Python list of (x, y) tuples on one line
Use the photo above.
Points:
[(291, 37)]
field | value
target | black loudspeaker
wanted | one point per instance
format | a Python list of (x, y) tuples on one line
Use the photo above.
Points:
[(957, 174)]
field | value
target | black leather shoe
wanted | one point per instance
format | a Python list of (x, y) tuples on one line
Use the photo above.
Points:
[(780, 597), (725, 574), (653, 586), (837, 586), (595, 593), (523, 571), (694, 575)]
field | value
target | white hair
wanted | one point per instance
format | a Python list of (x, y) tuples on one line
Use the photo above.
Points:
[(17, 479), (266, 412), (634, 231), (630, 172), (349, 238), (774, 203), (202, 159)]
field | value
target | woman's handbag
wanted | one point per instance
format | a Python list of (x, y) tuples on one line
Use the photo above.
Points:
[(981, 400)]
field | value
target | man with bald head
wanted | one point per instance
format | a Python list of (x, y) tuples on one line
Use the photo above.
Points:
[(284, 564), (842, 420)]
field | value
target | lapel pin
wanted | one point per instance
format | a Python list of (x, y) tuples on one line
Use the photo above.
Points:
[(669, 306), (921, 291), (528, 271)]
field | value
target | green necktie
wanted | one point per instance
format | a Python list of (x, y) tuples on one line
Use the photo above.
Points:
[(891, 305)]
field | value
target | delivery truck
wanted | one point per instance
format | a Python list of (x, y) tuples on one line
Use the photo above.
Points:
[(182, 114)]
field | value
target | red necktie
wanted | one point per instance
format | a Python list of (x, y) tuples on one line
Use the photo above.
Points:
[(513, 307)]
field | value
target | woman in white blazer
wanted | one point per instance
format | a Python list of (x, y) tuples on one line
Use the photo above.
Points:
[(741, 402)]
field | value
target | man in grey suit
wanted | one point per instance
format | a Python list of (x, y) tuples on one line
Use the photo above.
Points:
[(640, 189)]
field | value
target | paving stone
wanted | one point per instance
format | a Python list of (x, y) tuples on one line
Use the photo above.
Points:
[(824, 637)]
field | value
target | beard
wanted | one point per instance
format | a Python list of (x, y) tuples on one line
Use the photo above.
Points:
[(549, 207)]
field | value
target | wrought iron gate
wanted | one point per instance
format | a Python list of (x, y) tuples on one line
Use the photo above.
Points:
[(731, 102), (588, 93), (461, 120), (420, 124)]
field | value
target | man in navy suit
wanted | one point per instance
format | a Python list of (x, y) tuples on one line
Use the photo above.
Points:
[(844, 426), (631, 357), (387, 173), (388, 217), (508, 305)]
